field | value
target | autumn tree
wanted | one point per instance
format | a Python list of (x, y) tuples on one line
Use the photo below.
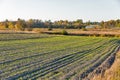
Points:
[(78, 23), (20, 24), (11, 25)]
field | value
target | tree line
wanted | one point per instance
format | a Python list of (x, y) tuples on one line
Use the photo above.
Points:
[(21, 24)]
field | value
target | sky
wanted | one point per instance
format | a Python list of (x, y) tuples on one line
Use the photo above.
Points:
[(93, 10)]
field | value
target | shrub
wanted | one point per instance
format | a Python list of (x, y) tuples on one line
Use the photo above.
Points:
[(84, 29), (49, 29), (64, 32)]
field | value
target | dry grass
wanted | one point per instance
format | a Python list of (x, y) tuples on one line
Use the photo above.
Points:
[(15, 31), (80, 31), (113, 73), (101, 32), (76, 31)]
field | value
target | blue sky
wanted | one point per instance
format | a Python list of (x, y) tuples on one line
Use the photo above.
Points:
[(94, 10)]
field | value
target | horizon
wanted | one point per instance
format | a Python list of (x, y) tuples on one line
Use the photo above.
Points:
[(58, 20), (54, 10)]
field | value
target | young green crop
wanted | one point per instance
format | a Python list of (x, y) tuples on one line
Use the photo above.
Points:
[(38, 56)]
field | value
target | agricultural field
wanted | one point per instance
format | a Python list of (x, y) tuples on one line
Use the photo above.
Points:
[(52, 57)]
